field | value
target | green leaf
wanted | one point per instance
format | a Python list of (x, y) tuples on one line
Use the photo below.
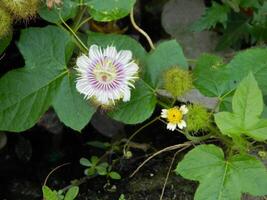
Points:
[(94, 160), (85, 162), (90, 171), (67, 11), (166, 55), (4, 42), (122, 197), (247, 106), (25, 94), (223, 179), (121, 42), (211, 76), (217, 13), (134, 112), (72, 193), (48, 47), (109, 10), (102, 169), (248, 100), (48, 194), (115, 175), (251, 60), (70, 106)]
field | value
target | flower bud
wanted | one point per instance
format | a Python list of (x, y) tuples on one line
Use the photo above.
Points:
[(5, 22), (22, 9), (177, 81), (198, 118)]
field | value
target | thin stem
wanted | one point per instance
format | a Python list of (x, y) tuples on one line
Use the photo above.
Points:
[(126, 146), (221, 99), (170, 148), (168, 174), (151, 88), (141, 30), (82, 23), (73, 33), (76, 42), (197, 139), (52, 171), (164, 105), (79, 18)]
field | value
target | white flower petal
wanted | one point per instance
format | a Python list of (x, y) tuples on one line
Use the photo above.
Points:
[(131, 69), (124, 56), (182, 124), (95, 52), (110, 52), (82, 62), (171, 126), (126, 95), (184, 109), (164, 113)]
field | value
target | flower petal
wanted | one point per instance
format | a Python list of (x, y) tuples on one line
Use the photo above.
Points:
[(171, 126), (95, 52), (124, 56), (126, 95), (110, 52), (182, 124), (164, 113), (184, 109), (83, 62)]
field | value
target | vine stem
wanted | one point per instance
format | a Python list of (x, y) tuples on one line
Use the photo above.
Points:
[(183, 146), (125, 148), (168, 174), (141, 30), (52, 171), (73, 33)]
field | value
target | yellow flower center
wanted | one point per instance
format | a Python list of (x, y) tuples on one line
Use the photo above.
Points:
[(174, 115)]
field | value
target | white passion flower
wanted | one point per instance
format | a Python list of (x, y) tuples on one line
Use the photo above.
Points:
[(106, 75)]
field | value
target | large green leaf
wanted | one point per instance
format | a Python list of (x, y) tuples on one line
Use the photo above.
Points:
[(222, 179), (139, 108), (67, 10), (25, 94), (251, 60), (211, 76), (121, 42), (47, 47), (247, 107), (166, 55), (109, 10), (72, 109)]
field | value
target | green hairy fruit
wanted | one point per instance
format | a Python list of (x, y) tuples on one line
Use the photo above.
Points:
[(5, 22), (198, 118), (22, 9), (177, 81)]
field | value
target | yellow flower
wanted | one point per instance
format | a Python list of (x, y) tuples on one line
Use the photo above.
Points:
[(174, 117)]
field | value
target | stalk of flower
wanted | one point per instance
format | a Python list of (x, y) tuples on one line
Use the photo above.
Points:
[(106, 75), (174, 117)]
